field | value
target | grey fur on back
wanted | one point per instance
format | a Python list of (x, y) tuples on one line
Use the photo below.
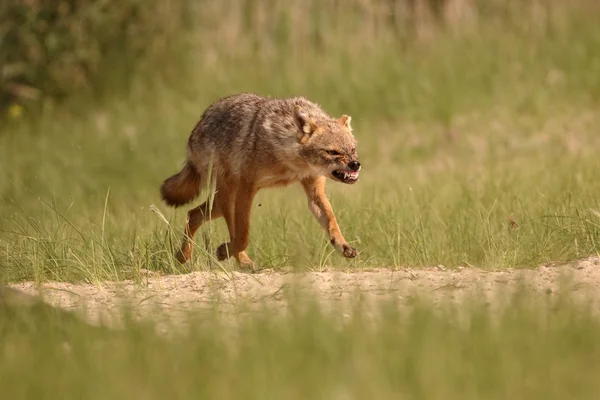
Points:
[(248, 132)]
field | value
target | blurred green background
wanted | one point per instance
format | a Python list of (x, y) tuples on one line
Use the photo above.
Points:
[(477, 123), (476, 120)]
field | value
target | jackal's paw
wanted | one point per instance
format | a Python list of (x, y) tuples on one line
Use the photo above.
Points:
[(223, 252), (245, 262), (349, 252), (248, 266), (181, 257)]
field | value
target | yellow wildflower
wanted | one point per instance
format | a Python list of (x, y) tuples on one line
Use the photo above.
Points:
[(15, 111)]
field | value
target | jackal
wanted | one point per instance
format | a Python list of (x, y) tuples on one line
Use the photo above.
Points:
[(247, 142)]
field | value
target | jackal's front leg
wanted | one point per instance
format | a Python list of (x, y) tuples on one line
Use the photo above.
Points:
[(321, 208)]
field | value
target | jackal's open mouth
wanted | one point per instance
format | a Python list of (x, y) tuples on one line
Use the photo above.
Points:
[(345, 176)]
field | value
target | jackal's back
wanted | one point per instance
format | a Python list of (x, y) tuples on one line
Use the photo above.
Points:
[(240, 130)]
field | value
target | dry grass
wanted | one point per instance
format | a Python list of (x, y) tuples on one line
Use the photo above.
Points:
[(477, 143)]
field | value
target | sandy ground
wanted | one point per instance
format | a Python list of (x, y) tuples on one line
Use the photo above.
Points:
[(332, 288)]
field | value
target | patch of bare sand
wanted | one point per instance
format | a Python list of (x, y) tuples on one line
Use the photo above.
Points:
[(332, 288)]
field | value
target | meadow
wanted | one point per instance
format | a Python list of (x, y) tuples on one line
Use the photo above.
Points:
[(477, 123), (478, 139)]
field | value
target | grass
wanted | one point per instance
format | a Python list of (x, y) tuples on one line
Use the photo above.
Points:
[(477, 141), (532, 347), (478, 137)]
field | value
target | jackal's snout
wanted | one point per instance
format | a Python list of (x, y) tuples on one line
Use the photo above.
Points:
[(348, 174)]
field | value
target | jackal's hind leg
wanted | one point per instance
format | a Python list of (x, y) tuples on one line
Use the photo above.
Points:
[(195, 218), (238, 222)]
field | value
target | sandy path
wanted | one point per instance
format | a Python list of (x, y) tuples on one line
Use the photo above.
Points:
[(205, 290)]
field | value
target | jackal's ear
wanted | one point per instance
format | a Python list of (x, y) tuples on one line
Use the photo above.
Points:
[(345, 120), (306, 127)]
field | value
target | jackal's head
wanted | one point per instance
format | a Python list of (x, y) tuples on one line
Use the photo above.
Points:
[(329, 147)]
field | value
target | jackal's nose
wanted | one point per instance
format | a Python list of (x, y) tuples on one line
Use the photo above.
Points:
[(354, 165)]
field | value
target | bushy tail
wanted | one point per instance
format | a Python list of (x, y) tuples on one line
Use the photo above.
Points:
[(181, 188)]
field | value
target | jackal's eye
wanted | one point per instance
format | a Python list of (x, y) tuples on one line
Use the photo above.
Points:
[(333, 152)]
